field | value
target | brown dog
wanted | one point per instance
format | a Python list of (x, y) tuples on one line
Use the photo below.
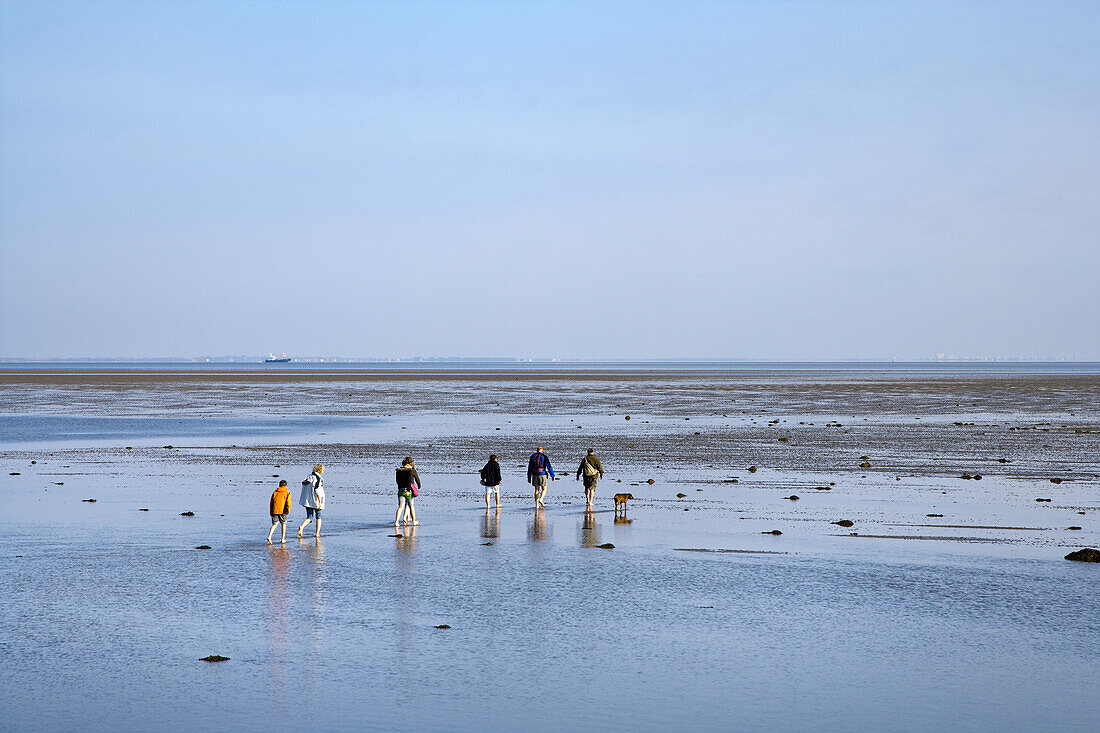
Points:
[(620, 502)]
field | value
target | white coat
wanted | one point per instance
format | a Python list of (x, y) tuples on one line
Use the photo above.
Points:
[(313, 492)]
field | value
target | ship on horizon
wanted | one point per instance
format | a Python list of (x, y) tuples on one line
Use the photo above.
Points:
[(272, 359)]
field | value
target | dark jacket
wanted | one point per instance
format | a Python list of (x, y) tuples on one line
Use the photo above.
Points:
[(590, 481), (406, 476), (490, 474)]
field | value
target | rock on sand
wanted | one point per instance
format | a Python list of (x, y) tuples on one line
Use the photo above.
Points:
[(1089, 554)]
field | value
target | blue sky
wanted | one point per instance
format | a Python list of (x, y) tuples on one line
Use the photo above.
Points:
[(576, 180)]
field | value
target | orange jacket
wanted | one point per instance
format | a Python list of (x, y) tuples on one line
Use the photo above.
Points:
[(280, 501)]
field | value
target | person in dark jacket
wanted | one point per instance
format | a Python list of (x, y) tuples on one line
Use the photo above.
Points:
[(490, 479), (590, 469), (408, 488)]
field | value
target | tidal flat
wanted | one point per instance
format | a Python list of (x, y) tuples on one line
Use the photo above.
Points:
[(945, 605)]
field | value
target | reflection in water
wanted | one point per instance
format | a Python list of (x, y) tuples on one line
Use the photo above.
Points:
[(536, 528), (315, 571), (620, 519), (589, 533), (279, 616), (490, 526), (406, 541)]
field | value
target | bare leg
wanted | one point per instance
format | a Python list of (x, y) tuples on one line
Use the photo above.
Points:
[(303, 526), (283, 525), (589, 495), (497, 492), (400, 509), (318, 532), (486, 501), (270, 532), (412, 510)]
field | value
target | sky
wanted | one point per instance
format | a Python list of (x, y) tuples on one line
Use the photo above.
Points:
[(590, 180)]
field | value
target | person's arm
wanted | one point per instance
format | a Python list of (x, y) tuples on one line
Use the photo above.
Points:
[(580, 469), (550, 469), (599, 466), (288, 506), (416, 478)]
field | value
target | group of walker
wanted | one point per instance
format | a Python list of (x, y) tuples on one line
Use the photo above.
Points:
[(312, 498), (539, 473)]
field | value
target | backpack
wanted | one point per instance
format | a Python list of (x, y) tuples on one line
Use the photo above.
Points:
[(537, 464), (589, 470)]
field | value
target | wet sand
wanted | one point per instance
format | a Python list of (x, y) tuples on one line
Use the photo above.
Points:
[(696, 613)]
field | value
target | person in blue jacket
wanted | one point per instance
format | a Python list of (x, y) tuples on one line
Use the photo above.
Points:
[(539, 471)]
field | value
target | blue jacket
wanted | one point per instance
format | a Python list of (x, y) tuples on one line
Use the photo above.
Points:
[(539, 465)]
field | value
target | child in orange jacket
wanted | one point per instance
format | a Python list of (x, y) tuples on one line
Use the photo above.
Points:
[(280, 508)]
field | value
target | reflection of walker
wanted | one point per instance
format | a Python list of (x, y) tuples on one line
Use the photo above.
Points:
[(536, 530), (590, 536), (490, 529), (406, 540)]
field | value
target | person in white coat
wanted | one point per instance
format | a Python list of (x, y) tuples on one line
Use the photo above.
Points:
[(313, 498)]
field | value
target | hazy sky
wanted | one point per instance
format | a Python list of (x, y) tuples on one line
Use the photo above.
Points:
[(578, 180)]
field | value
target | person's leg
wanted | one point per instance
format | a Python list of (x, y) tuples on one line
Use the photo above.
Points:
[(271, 531), (318, 532), (400, 509), (412, 510), (497, 492), (487, 492), (303, 525), (282, 525)]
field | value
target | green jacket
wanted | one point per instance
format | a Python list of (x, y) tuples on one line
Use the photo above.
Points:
[(590, 481)]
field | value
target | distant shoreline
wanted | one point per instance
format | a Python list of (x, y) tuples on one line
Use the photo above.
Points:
[(59, 375)]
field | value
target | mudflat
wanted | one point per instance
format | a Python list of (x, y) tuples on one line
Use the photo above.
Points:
[(112, 607)]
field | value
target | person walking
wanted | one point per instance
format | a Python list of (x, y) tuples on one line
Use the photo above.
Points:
[(313, 499), (408, 488), (279, 507), (590, 469), (539, 471), (490, 479)]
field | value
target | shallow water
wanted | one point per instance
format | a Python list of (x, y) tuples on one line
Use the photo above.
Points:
[(84, 430), (107, 609), (104, 625)]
